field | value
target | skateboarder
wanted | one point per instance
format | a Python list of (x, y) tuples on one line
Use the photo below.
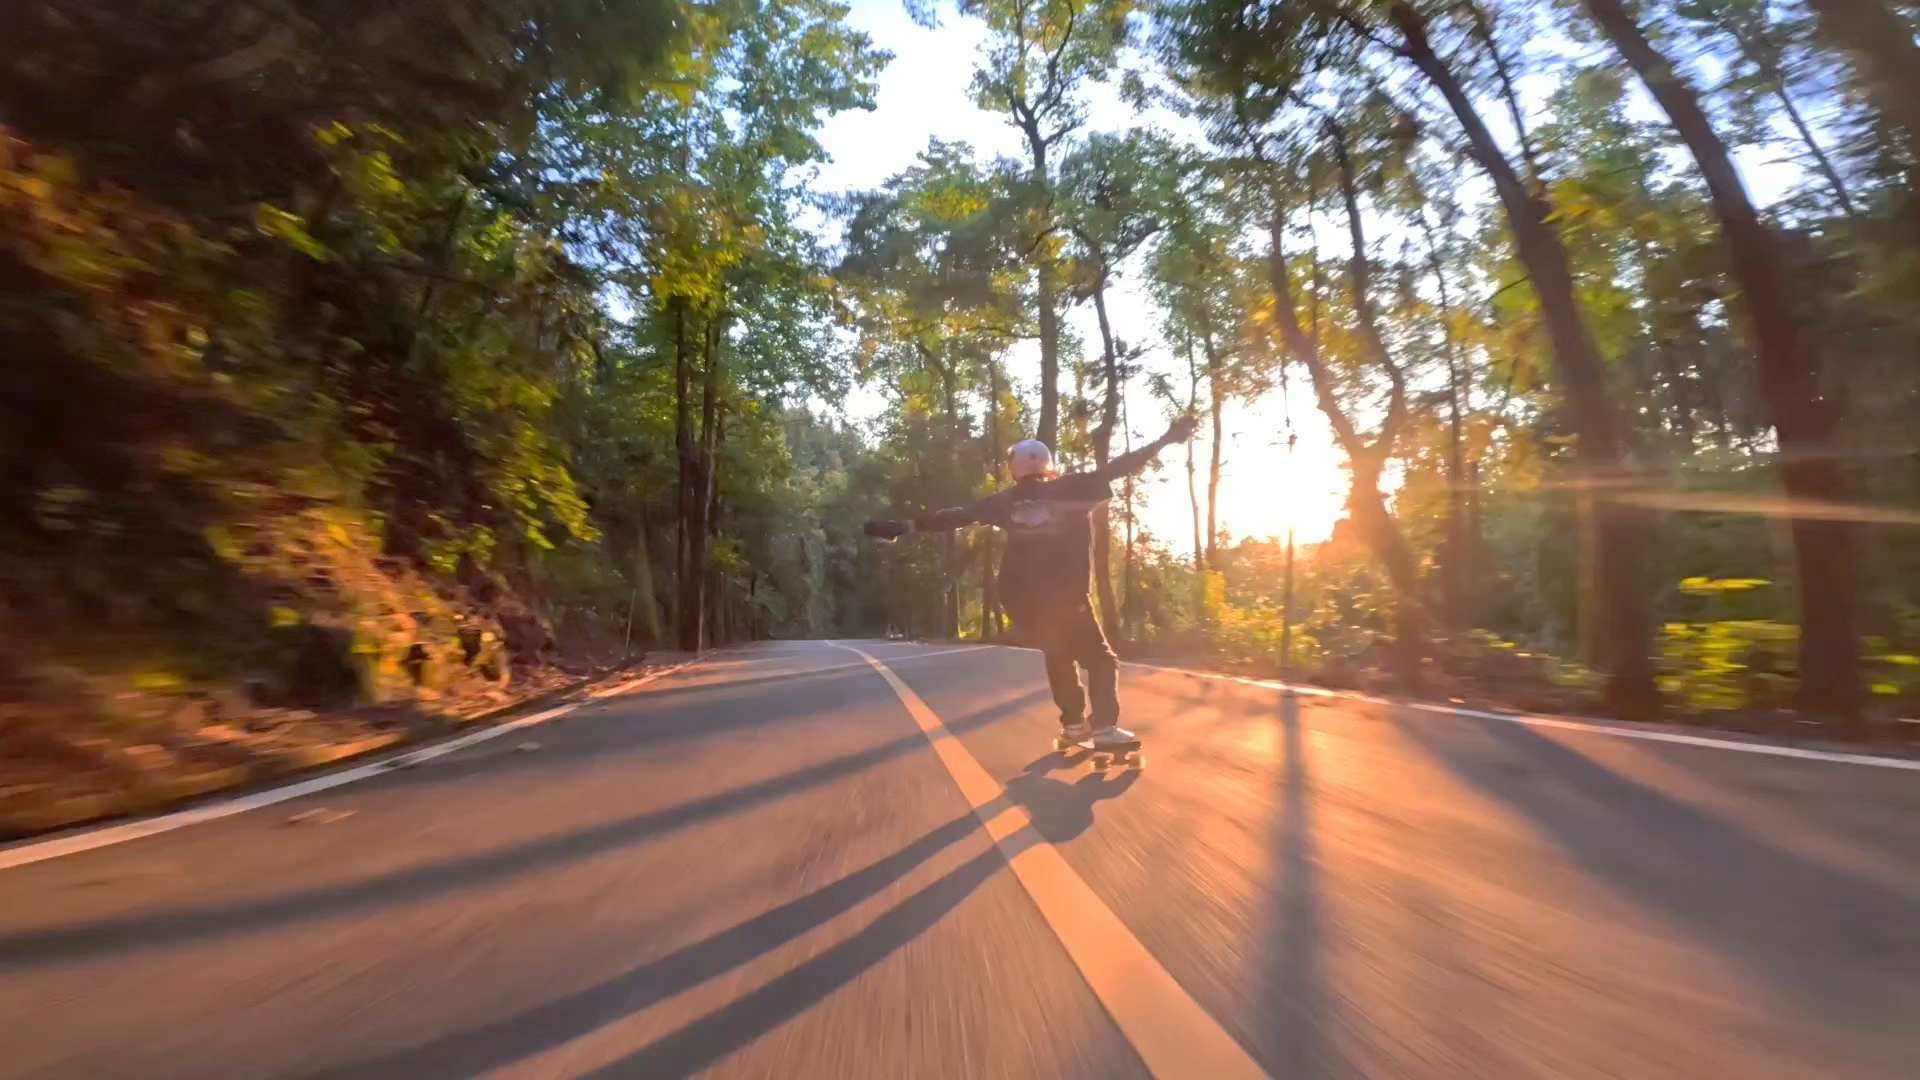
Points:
[(1045, 575)]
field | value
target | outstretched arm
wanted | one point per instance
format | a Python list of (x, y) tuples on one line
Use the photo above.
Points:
[(1127, 464), (937, 521)]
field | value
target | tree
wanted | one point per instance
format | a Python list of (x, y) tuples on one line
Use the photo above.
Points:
[(931, 263), (1789, 370), (1579, 369), (1042, 53), (1764, 44), (1366, 458), (775, 74), (1117, 193), (1882, 48)]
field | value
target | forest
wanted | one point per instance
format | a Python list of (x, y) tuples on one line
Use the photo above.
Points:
[(359, 353)]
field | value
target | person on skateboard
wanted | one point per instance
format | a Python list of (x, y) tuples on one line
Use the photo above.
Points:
[(1046, 575)]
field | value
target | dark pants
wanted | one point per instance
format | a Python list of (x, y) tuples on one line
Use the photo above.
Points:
[(1068, 633)]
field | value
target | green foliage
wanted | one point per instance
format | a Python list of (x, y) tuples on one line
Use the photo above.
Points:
[(520, 301), (416, 268)]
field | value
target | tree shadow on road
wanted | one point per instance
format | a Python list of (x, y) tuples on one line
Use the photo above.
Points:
[(695, 683), (469, 1051), (1828, 940), (146, 930), (1292, 979), (1870, 809), (1059, 812), (654, 727), (704, 1041)]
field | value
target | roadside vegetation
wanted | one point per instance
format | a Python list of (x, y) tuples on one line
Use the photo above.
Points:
[(413, 359)]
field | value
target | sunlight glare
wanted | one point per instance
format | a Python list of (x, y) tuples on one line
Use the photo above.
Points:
[(1262, 490)]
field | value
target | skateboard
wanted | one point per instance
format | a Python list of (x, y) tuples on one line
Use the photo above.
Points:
[(1125, 755)]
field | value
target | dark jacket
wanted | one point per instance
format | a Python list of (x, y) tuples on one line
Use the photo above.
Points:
[(1049, 529)]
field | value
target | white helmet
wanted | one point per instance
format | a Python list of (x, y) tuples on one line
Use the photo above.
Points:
[(1029, 457)]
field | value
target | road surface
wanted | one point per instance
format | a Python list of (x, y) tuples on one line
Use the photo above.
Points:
[(778, 864)]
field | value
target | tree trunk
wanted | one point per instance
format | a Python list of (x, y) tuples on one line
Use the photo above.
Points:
[(1049, 301), (689, 462), (1193, 488), (1383, 537), (1365, 504), (693, 581), (1382, 533), (1216, 400), (1580, 375), (1048, 290), (715, 633), (1455, 583), (1789, 378), (716, 630), (950, 547), (1102, 450), (990, 545)]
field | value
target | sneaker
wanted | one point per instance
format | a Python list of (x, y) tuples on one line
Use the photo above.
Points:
[(1113, 736), (1078, 733)]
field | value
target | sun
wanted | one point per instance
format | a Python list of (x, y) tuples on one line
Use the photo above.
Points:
[(1264, 490)]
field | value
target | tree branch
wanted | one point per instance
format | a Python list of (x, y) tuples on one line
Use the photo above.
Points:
[(1360, 283)]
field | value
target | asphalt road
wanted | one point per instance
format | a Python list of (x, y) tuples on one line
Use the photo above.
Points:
[(762, 866)]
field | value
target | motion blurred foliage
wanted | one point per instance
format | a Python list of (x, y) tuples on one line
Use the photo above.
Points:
[(357, 347), (1608, 308), (340, 332)]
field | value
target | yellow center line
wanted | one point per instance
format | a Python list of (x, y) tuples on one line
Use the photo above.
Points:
[(1174, 1036)]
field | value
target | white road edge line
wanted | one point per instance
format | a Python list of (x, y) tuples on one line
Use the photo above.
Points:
[(955, 651), (1835, 757), (1174, 1036), (34, 851)]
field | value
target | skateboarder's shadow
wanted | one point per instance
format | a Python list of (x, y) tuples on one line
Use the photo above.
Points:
[(1062, 810)]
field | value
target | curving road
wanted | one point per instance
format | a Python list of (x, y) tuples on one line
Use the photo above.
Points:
[(780, 864)]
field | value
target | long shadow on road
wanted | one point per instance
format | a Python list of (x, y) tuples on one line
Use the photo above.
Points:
[(464, 1053), (665, 720), (696, 684), (608, 729), (1059, 813), (1818, 935), (719, 1033), (1294, 983), (146, 931)]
